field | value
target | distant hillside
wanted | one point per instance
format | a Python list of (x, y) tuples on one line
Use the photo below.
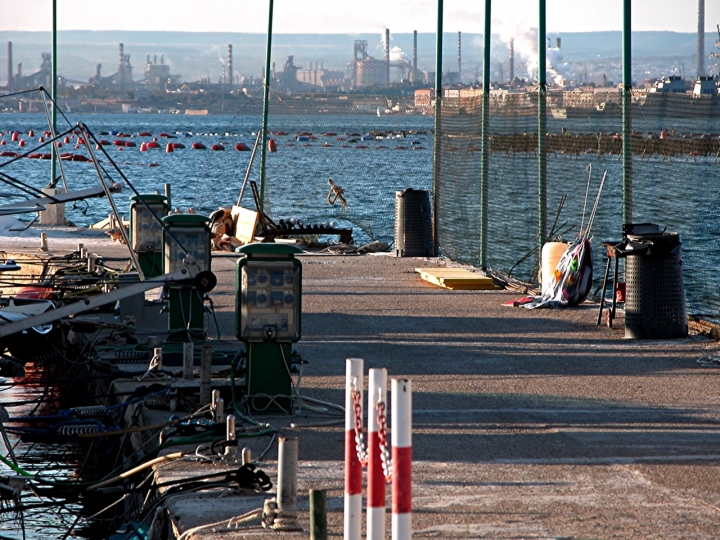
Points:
[(195, 55)]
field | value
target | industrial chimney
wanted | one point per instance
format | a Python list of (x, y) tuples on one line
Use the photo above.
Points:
[(98, 69), (414, 72), (121, 68), (511, 61), (229, 65), (459, 57), (387, 56), (10, 65), (557, 42), (701, 38)]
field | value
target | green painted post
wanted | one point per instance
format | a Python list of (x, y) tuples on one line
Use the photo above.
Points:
[(266, 95), (53, 87), (318, 514), (542, 155), (438, 124), (485, 165), (627, 208)]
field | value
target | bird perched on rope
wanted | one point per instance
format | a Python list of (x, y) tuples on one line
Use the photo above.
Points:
[(336, 194)]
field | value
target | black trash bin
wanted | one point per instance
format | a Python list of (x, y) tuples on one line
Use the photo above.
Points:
[(655, 290), (413, 224)]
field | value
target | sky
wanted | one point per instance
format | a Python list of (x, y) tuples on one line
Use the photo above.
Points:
[(350, 16)]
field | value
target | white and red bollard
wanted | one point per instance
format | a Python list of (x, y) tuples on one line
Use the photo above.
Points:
[(377, 393), (401, 459), (352, 529), (381, 467)]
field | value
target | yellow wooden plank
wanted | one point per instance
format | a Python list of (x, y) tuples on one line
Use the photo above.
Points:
[(456, 278)]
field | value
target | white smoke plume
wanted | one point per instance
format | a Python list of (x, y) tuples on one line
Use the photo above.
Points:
[(526, 43), (396, 53)]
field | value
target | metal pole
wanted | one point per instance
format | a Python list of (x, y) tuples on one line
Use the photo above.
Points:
[(626, 113), (318, 514), (53, 161), (485, 164), (266, 95), (188, 359), (205, 373), (286, 519), (542, 155), (436, 146)]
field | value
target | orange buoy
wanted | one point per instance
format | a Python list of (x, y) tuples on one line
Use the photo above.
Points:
[(98, 147), (177, 145), (119, 143), (143, 147), (31, 133), (21, 143), (59, 145), (119, 147), (242, 147), (15, 136), (40, 139), (130, 143), (198, 146), (66, 140), (2, 143), (144, 134), (81, 140), (272, 147), (104, 142), (169, 148), (153, 144), (217, 146)]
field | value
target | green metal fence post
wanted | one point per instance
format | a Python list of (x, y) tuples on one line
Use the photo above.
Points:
[(266, 95), (436, 146), (627, 208), (542, 155), (485, 170)]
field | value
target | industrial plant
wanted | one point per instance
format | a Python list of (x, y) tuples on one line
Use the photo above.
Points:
[(393, 74)]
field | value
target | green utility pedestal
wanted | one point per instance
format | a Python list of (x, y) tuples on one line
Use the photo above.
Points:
[(186, 320), (146, 233), (267, 313)]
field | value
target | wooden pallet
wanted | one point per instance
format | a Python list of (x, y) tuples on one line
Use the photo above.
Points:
[(457, 279)]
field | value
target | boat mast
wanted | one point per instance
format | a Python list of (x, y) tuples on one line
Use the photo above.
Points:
[(266, 95)]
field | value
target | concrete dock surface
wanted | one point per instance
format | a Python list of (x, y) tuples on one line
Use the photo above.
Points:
[(526, 423)]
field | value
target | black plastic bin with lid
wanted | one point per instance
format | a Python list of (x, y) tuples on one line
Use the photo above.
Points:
[(413, 224), (655, 290)]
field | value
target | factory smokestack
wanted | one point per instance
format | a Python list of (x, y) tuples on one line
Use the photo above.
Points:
[(121, 68), (701, 38), (557, 43), (229, 65), (98, 69), (511, 61), (387, 56), (459, 57), (414, 73), (10, 65)]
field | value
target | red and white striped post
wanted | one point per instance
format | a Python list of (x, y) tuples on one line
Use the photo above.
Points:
[(353, 468), (401, 459), (377, 391)]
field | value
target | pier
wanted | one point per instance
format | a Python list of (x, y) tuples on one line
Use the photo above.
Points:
[(525, 422)]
